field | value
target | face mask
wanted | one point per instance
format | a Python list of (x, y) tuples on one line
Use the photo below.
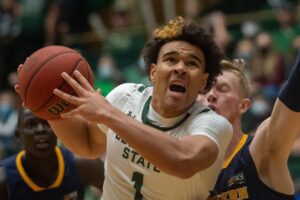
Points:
[(264, 50), (247, 56), (5, 111), (105, 72), (142, 64), (259, 107)]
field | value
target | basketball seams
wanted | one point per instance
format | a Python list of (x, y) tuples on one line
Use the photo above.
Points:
[(38, 70), (61, 86)]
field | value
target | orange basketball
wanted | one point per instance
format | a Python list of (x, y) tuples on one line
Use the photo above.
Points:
[(41, 74)]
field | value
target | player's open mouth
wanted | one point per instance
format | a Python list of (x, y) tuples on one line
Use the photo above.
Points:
[(42, 143), (177, 88)]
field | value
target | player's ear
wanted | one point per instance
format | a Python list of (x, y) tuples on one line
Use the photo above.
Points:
[(244, 105), (152, 73)]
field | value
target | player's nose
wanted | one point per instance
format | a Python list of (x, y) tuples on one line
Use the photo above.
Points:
[(40, 128), (180, 68), (211, 97)]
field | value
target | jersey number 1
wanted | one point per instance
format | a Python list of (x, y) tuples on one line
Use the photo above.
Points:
[(137, 178)]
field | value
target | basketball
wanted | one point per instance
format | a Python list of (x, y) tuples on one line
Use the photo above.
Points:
[(41, 74)]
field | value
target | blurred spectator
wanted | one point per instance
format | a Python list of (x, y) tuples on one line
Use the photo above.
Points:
[(37, 29), (267, 66), (124, 43), (245, 50), (137, 73), (9, 105), (250, 29), (287, 30), (260, 109), (9, 30), (72, 20), (106, 76), (76, 23), (216, 24)]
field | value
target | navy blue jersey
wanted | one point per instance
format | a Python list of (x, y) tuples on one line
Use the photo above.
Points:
[(65, 187), (239, 178)]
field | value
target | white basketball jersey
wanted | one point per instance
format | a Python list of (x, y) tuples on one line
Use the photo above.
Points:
[(129, 176)]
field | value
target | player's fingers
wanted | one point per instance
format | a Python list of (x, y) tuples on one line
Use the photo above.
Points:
[(17, 88), (83, 81), (67, 97), (19, 69), (99, 91), (68, 114), (73, 83)]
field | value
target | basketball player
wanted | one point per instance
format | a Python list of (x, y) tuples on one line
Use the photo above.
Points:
[(256, 167), (43, 171), (159, 143)]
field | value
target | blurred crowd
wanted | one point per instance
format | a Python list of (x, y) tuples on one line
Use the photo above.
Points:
[(111, 33)]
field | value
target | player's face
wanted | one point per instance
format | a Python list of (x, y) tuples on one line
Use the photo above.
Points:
[(177, 77), (36, 136), (224, 97)]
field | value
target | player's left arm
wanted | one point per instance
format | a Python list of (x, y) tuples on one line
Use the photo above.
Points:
[(274, 139)]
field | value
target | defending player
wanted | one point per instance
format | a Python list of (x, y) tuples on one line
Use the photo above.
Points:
[(256, 167), (42, 170)]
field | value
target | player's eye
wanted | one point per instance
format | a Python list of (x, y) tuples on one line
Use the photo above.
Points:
[(170, 59), (223, 88), (192, 64), (29, 125)]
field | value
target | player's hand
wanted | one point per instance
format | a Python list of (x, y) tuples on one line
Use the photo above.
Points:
[(16, 86), (89, 102)]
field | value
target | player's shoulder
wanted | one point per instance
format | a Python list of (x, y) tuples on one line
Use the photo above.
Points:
[(200, 111), (203, 115), (8, 161)]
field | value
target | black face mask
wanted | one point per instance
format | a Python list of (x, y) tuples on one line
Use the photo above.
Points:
[(264, 50)]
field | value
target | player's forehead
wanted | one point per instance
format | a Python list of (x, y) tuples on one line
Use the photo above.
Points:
[(182, 48), (228, 78), (27, 117)]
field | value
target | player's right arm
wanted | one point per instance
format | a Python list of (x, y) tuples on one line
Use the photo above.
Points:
[(80, 136)]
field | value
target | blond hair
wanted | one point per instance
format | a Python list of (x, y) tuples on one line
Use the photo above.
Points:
[(237, 67), (172, 29)]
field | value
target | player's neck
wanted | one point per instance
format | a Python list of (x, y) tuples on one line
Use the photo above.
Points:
[(46, 173), (236, 138)]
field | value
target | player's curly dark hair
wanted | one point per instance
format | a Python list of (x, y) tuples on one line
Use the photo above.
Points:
[(192, 33)]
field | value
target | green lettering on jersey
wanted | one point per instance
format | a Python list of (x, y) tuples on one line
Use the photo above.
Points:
[(141, 161), (126, 152)]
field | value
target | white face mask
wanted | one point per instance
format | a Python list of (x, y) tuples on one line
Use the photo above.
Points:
[(105, 72), (142, 64), (260, 107), (5, 111)]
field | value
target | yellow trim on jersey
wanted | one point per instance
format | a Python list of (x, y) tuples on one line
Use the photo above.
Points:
[(237, 148), (30, 183)]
